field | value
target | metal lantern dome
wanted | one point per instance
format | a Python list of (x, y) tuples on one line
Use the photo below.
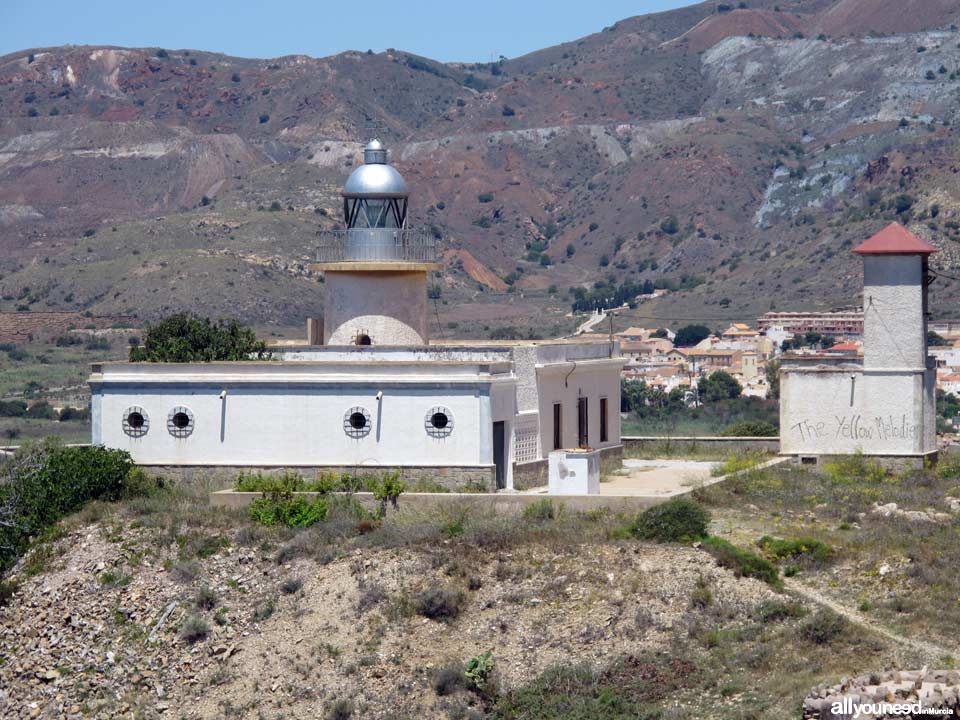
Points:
[(375, 194), (375, 213)]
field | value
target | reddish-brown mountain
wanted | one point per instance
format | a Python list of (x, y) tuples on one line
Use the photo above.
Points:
[(732, 153)]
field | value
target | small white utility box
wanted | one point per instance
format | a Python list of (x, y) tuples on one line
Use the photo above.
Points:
[(574, 472)]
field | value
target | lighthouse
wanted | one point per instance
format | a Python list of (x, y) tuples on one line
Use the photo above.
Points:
[(375, 269)]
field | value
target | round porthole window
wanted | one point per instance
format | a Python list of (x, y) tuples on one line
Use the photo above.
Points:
[(136, 422), (438, 422), (356, 422), (180, 422)]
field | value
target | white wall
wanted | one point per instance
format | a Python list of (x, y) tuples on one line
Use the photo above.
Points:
[(287, 421), (894, 327), (843, 410), (391, 307), (565, 383)]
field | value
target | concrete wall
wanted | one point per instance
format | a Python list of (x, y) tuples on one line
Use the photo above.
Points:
[(637, 445), (273, 417), (390, 307), (842, 410), (894, 325)]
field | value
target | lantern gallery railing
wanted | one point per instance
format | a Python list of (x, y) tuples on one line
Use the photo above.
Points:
[(377, 244)]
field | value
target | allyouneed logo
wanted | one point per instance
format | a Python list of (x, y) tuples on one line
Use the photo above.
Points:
[(847, 707)]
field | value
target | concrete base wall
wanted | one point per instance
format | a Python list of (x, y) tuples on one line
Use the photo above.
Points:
[(891, 463), (455, 479), (535, 474), (719, 445)]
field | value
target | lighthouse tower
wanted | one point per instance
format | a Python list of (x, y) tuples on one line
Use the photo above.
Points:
[(376, 269)]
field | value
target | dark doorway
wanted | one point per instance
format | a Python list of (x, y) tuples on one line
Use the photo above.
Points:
[(583, 423), (499, 455), (557, 426), (603, 420)]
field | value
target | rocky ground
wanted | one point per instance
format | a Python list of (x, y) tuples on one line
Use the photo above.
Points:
[(104, 632), (162, 607)]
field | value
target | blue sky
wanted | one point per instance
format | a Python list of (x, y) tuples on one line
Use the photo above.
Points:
[(474, 31)]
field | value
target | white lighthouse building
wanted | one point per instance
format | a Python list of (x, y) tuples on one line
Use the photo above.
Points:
[(883, 405), (368, 390)]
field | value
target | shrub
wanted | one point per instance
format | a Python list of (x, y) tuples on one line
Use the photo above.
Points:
[(340, 710), (540, 511), (262, 482), (194, 629), (283, 508), (186, 571), (41, 411), (818, 552), (508, 111), (670, 225), (291, 585), (7, 590), (438, 603), (743, 562), (701, 597), (479, 669), (387, 490), (263, 611), (448, 679), (775, 610), (750, 428), (823, 628), (42, 483), (677, 520), (485, 197), (70, 413), (12, 408), (205, 599)]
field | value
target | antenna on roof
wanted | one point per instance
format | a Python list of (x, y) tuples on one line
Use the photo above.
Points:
[(372, 129)]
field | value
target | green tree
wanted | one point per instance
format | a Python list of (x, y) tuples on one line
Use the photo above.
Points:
[(936, 339), (773, 379), (690, 335), (719, 385), (186, 337)]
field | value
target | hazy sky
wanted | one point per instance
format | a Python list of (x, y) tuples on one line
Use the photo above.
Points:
[(475, 30)]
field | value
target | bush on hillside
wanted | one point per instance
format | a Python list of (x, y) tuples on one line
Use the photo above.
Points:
[(44, 482), (678, 520), (815, 551), (439, 603), (186, 337), (743, 562)]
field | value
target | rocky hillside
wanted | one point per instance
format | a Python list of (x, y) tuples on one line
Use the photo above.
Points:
[(733, 151)]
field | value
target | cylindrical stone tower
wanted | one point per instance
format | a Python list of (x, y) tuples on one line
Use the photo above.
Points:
[(376, 269)]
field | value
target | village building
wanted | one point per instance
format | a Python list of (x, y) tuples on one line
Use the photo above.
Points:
[(837, 324), (368, 389), (881, 403)]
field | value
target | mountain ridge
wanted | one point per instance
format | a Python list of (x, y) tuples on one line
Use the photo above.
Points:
[(671, 147)]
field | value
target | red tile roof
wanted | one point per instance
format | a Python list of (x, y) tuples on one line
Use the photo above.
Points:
[(895, 239)]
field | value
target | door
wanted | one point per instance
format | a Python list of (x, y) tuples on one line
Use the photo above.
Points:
[(583, 424), (499, 454)]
